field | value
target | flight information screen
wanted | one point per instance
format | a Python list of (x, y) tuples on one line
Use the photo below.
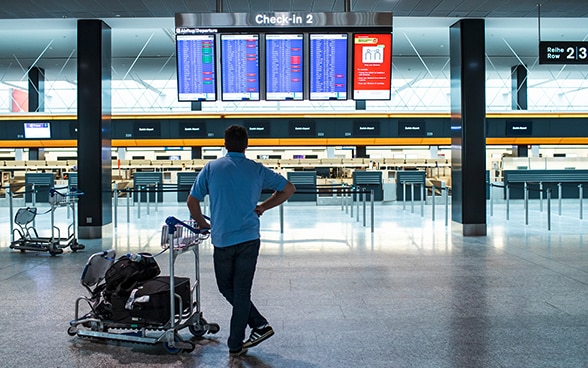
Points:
[(328, 66), (284, 67), (240, 67), (196, 67), (372, 66)]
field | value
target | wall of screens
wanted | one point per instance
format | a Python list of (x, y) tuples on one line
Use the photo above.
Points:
[(284, 56)]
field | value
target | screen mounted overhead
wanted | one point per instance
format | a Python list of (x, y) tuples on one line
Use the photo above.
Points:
[(328, 66), (284, 67), (240, 67), (196, 69), (372, 66)]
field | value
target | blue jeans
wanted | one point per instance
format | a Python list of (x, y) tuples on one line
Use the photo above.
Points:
[(234, 268)]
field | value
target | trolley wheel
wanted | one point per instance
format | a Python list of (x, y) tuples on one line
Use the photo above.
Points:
[(197, 331), (173, 350), (191, 348), (55, 251), (213, 328), (72, 331)]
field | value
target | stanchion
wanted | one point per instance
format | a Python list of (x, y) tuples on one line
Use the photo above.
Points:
[(548, 208), (403, 195), (559, 198), (138, 203), (11, 212), (363, 190), (490, 190), (433, 195), (34, 199), (581, 190), (507, 202), (540, 196), (352, 197), (357, 202), (148, 198), (115, 204), (422, 199), (411, 197), (128, 205), (281, 218), (372, 208), (446, 206), (526, 193)]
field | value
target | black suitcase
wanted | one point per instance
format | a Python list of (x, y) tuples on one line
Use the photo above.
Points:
[(150, 303)]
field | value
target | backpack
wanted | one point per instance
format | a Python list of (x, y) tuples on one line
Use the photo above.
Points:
[(129, 270)]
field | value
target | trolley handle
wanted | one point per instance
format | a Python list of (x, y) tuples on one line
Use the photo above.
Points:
[(171, 223)]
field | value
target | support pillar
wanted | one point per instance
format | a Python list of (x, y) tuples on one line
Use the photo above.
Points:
[(519, 100), (36, 90), (468, 126), (361, 152), (94, 127), (196, 153)]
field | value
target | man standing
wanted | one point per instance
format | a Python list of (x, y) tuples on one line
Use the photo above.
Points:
[(234, 184)]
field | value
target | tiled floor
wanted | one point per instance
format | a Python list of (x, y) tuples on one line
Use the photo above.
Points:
[(413, 293)]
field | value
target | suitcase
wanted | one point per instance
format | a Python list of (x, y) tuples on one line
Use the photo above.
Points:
[(149, 303)]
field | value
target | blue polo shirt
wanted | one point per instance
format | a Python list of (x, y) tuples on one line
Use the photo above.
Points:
[(234, 184)]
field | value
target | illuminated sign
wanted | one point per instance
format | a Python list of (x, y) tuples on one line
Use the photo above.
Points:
[(562, 52), (372, 66)]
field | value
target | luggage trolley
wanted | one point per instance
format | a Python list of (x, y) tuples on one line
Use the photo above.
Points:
[(121, 323), (26, 237)]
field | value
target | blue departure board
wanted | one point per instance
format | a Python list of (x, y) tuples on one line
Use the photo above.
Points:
[(240, 67), (328, 66), (284, 67), (196, 67)]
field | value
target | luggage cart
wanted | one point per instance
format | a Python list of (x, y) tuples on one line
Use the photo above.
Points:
[(25, 236), (177, 237)]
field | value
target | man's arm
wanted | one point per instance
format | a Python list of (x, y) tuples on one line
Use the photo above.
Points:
[(276, 199), (196, 212)]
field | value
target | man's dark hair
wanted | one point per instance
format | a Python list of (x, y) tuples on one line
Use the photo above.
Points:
[(236, 138)]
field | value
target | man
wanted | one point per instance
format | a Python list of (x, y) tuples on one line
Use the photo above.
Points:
[(234, 184)]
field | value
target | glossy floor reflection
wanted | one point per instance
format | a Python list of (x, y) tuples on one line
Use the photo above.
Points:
[(414, 293)]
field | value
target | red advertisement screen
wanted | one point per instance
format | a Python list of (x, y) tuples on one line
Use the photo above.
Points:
[(372, 66)]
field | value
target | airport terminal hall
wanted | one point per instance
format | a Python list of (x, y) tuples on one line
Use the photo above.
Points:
[(294, 184)]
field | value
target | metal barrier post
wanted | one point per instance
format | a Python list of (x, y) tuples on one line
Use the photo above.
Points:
[(526, 188), (559, 197), (346, 191), (446, 206), (115, 204), (352, 198), (364, 199), (139, 203), (581, 190), (372, 209), (507, 201), (34, 200), (156, 192), (11, 211), (433, 194), (403, 195), (281, 218), (540, 196), (423, 199), (548, 208), (148, 197), (411, 197), (490, 190), (357, 203), (128, 205)]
